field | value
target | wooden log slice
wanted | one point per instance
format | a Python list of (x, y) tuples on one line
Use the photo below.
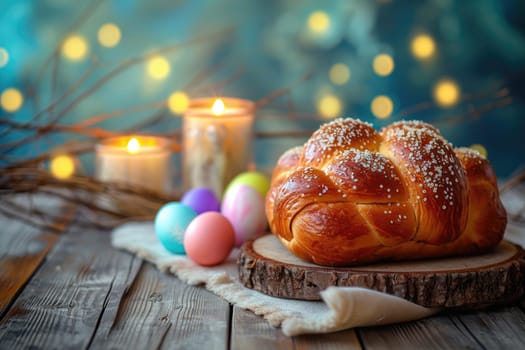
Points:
[(497, 277)]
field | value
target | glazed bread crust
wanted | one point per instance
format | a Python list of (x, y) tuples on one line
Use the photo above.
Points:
[(354, 195)]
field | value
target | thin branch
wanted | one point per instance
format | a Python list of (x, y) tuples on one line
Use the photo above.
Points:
[(220, 85), (202, 76), (73, 88), (292, 113), (120, 112), (156, 118), (37, 177), (93, 132), (80, 126), (54, 77), (474, 113), (59, 222), (53, 104), (21, 213), (123, 66), (75, 198), (78, 147), (514, 181), (281, 92), (82, 18), (283, 134), (425, 106)]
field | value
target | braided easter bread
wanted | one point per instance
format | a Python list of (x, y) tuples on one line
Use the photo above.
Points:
[(353, 195)]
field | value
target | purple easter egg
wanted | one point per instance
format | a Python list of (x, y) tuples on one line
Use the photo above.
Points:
[(201, 199)]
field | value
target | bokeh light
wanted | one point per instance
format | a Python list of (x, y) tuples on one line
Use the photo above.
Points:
[(329, 106), (109, 35), (75, 47), (423, 46), (178, 102), (339, 74), (318, 22), (158, 67), (383, 64), (11, 100), (480, 148), (62, 166), (446, 93), (382, 107), (4, 57)]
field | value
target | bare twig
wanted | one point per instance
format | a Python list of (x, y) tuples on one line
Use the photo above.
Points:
[(113, 201), (514, 181), (72, 89), (34, 217), (474, 113), (156, 118), (220, 85), (82, 18), (119, 113), (201, 76), (494, 93), (77, 147), (284, 134), (123, 66), (97, 85), (281, 92)]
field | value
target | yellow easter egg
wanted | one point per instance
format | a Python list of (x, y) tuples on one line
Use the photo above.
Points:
[(255, 179)]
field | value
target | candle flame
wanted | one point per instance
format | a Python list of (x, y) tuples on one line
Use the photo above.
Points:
[(133, 146), (218, 107)]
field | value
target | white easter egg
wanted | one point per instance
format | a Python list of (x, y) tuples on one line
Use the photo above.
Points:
[(243, 205)]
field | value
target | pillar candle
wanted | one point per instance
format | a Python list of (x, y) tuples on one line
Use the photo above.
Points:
[(135, 160), (217, 141)]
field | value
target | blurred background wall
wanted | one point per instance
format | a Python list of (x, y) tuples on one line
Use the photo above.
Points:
[(457, 64)]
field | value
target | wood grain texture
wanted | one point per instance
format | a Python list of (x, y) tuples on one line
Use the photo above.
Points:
[(22, 249), (465, 282), (76, 291), (438, 332), (159, 311), (63, 304), (497, 328), (250, 331), (346, 340)]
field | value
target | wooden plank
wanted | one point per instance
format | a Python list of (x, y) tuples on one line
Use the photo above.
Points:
[(250, 331), (62, 305), (160, 311), (332, 341), (501, 328), (438, 332), (22, 249)]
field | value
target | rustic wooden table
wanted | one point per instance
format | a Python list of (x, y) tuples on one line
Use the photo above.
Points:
[(73, 290)]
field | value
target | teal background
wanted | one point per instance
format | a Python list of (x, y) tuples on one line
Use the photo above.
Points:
[(481, 45)]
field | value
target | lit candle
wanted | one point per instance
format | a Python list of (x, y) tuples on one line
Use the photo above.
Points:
[(217, 141), (135, 160)]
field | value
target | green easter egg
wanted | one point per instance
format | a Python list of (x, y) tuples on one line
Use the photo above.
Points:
[(255, 179)]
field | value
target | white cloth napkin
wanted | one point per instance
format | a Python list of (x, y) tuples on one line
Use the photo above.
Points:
[(341, 308)]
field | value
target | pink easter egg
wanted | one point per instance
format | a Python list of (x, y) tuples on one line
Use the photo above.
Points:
[(209, 239), (243, 205)]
